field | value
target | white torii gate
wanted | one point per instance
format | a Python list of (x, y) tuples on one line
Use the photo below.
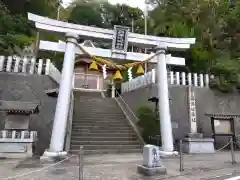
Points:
[(72, 33)]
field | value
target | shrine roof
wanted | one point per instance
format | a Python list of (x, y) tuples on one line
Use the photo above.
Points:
[(221, 115), (19, 107)]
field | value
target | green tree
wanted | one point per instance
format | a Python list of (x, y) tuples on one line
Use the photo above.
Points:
[(14, 31), (214, 24), (87, 14), (149, 124)]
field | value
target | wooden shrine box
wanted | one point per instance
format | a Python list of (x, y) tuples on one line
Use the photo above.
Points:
[(16, 139), (18, 114)]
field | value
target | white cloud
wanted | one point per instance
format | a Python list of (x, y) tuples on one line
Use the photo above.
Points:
[(133, 3)]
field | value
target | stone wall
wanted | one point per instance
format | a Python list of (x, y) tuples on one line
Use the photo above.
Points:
[(178, 105), (207, 101), (30, 88)]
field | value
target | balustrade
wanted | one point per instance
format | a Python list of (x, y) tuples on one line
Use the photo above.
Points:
[(174, 78), (18, 136), (16, 64)]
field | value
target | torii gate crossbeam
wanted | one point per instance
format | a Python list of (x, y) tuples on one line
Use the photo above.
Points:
[(87, 32), (106, 53)]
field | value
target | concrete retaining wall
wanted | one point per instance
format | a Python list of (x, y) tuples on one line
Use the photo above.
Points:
[(28, 88), (207, 101)]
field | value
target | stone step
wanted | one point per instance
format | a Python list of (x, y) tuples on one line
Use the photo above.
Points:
[(101, 119), (102, 134), (97, 108), (106, 127), (100, 123), (115, 128), (106, 151), (99, 131), (80, 97), (106, 147), (101, 110), (103, 143), (100, 104), (86, 120), (98, 115), (131, 137), (97, 118), (81, 94)]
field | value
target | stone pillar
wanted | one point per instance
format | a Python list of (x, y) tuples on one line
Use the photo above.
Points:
[(163, 95), (192, 110), (64, 96)]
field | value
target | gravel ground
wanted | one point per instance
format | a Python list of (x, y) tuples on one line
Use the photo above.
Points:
[(118, 167)]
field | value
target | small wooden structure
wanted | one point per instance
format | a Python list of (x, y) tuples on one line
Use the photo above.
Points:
[(16, 139), (222, 125), (90, 79)]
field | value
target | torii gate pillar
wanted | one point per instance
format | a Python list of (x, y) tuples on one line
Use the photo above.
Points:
[(163, 96), (61, 114)]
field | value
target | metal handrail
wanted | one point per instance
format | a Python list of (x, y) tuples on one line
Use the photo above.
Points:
[(129, 119), (127, 106)]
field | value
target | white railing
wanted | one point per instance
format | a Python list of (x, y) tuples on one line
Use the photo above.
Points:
[(174, 78), (140, 81), (18, 136), (189, 79), (16, 64), (88, 81)]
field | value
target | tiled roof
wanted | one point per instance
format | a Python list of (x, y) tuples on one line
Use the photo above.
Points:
[(19, 107), (221, 115)]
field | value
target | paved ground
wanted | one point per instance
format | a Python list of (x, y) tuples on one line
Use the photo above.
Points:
[(121, 167)]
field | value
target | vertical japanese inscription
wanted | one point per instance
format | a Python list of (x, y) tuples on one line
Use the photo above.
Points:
[(192, 106), (192, 110), (120, 39)]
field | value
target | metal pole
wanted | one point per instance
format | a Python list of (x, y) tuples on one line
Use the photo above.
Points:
[(232, 151), (181, 155), (80, 161), (58, 12), (145, 30), (132, 30), (37, 44)]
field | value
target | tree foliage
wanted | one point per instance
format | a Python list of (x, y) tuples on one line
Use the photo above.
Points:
[(14, 31), (214, 24), (104, 15), (149, 124)]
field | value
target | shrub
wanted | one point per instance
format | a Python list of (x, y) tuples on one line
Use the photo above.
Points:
[(149, 123)]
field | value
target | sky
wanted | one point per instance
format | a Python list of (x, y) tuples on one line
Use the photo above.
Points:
[(133, 3)]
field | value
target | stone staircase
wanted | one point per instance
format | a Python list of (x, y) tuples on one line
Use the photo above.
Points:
[(101, 127)]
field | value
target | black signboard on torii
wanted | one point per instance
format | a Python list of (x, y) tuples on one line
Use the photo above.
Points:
[(120, 39)]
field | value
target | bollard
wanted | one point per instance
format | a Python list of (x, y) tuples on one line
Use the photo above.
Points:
[(181, 155), (80, 161), (232, 151)]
